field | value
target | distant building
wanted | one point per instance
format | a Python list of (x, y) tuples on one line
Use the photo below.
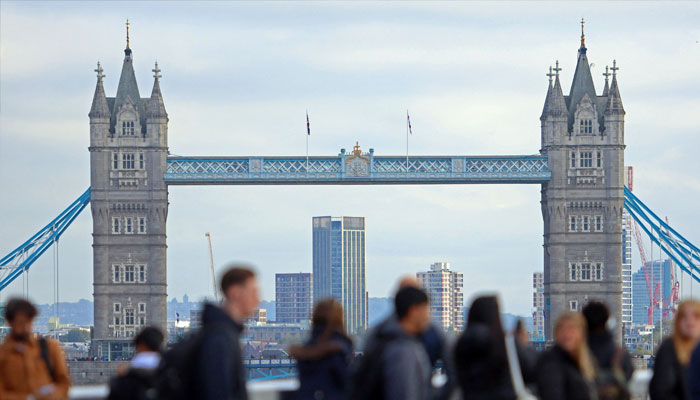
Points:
[(660, 280), (259, 315), (195, 319), (538, 306), (275, 332), (445, 289), (339, 266), (626, 268), (293, 297)]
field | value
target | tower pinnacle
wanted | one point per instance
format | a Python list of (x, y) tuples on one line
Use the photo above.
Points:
[(99, 71), (557, 69), (583, 37), (550, 75), (127, 34), (156, 72), (614, 69)]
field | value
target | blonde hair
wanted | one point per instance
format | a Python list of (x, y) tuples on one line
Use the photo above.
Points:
[(581, 355), (684, 345)]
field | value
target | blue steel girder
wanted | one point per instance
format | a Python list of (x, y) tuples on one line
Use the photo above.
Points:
[(20, 259), (356, 168)]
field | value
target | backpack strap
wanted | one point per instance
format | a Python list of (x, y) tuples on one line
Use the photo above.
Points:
[(44, 346)]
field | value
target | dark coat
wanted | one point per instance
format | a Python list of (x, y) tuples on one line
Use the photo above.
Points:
[(670, 377), (435, 344), (134, 385), (694, 375), (558, 377), (604, 350), (481, 373), (323, 366), (221, 375)]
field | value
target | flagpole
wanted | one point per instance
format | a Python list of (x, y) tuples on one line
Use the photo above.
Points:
[(407, 143), (307, 141)]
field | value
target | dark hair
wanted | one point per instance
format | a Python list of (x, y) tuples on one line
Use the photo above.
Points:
[(151, 337), (235, 276), (408, 297), (17, 306), (596, 314), (484, 314), (328, 314)]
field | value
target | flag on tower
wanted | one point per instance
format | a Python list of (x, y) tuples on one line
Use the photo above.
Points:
[(308, 126), (408, 119)]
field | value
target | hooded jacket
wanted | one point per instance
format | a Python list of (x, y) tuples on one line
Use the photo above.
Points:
[(323, 365), (221, 375)]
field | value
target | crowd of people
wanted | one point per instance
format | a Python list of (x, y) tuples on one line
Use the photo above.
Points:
[(404, 357)]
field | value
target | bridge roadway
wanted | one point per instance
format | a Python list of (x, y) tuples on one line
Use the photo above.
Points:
[(356, 168)]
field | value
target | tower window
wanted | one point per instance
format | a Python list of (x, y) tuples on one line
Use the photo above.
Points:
[(585, 271), (129, 273), (585, 223), (128, 161), (116, 273), (572, 223), (116, 229), (586, 160), (142, 307), (586, 126), (599, 223), (116, 321), (573, 305), (141, 161), (142, 224), (129, 317), (599, 159), (573, 272), (142, 273), (573, 159), (128, 128), (117, 307), (598, 272), (142, 320), (129, 225), (115, 160)]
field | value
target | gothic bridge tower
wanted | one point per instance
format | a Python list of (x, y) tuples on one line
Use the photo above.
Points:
[(129, 201), (582, 204)]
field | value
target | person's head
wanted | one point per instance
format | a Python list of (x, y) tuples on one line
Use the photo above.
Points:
[(484, 310), (596, 314), (20, 314), (149, 339), (686, 329), (240, 289), (328, 314), (408, 281), (411, 305), (570, 336)]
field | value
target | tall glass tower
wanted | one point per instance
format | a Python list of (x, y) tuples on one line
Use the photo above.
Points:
[(339, 266)]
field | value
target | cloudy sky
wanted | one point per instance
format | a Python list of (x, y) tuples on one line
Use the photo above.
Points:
[(238, 77)]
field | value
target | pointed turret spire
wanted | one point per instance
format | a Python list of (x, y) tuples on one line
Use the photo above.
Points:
[(127, 89), (583, 37), (558, 104), (545, 109), (156, 107), (583, 81), (606, 89), (127, 34), (614, 102), (99, 108)]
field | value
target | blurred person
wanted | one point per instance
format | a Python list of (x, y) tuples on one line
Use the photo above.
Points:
[(395, 365), (30, 367), (480, 354), (670, 380), (138, 381), (614, 363), (323, 361), (567, 371), (220, 373)]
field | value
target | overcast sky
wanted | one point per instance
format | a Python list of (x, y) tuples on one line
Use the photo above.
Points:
[(238, 77)]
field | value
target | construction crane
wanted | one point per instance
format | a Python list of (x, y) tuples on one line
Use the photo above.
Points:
[(672, 301), (643, 255), (213, 275)]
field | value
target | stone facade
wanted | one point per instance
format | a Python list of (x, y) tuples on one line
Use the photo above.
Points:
[(582, 204), (129, 201)]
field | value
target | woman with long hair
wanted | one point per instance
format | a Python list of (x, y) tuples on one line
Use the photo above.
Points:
[(673, 357), (480, 354), (566, 371), (324, 359)]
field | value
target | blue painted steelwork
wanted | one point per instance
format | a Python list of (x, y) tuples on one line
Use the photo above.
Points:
[(684, 254), (20, 259), (262, 370), (356, 168)]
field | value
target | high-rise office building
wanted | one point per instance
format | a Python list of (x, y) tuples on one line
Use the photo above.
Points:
[(339, 266), (626, 268), (445, 289), (293, 296), (660, 280), (538, 306)]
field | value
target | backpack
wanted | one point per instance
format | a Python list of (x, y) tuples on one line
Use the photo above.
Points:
[(366, 381), (176, 375), (44, 347), (611, 382), (136, 384)]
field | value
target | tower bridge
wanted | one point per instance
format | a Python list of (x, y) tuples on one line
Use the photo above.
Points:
[(580, 168)]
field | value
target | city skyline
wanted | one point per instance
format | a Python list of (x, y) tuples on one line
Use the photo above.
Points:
[(464, 225)]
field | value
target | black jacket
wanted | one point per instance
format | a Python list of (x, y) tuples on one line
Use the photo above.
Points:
[(482, 374), (604, 350), (323, 366), (221, 375), (670, 377), (558, 377)]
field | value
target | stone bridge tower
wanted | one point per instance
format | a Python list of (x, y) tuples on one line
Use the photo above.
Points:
[(583, 138), (129, 200)]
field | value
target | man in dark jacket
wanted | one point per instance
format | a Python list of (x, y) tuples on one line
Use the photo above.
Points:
[(221, 374), (395, 364), (608, 355), (138, 381)]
